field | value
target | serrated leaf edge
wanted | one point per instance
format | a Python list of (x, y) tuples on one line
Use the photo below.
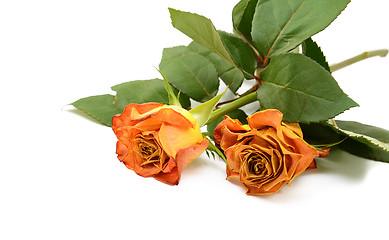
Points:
[(375, 142)]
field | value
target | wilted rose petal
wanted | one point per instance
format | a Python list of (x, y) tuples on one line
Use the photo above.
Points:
[(265, 154)]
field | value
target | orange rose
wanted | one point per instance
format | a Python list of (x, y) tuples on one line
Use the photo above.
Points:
[(266, 153), (157, 140)]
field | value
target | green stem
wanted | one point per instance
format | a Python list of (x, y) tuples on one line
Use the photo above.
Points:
[(239, 102), (360, 57)]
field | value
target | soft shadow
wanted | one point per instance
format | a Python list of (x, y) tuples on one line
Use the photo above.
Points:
[(203, 162), (235, 181), (339, 164), (343, 164)]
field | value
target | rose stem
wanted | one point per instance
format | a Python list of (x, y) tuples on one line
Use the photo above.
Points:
[(360, 57), (239, 102)]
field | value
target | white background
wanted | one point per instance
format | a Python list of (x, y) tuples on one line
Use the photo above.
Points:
[(59, 175)]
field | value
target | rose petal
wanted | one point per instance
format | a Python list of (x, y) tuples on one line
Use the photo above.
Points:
[(231, 173), (270, 117), (233, 156), (292, 143), (184, 157), (312, 165), (233, 126), (291, 163), (149, 124), (124, 119), (125, 134), (172, 177), (146, 170), (295, 127), (303, 148), (170, 114), (123, 155), (253, 190), (124, 147), (229, 138), (173, 117), (174, 138)]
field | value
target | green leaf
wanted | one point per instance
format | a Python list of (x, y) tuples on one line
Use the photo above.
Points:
[(280, 25), (361, 140), (363, 129), (364, 140), (320, 133), (101, 107), (140, 91), (143, 91), (240, 52), (230, 75), (301, 89), (201, 30), (365, 149), (192, 74), (203, 111), (233, 78), (242, 17), (104, 107), (313, 51), (169, 54), (236, 114)]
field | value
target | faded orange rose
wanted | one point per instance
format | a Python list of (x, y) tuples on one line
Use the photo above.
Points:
[(157, 140), (266, 153)]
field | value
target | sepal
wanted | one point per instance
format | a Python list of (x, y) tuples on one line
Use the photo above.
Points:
[(173, 99), (203, 111)]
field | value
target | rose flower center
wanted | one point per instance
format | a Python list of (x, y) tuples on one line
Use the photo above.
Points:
[(256, 163), (150, 151), (257, 166)]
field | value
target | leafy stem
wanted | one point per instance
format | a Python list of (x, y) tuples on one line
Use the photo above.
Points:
[(237, 103), (251, 96)]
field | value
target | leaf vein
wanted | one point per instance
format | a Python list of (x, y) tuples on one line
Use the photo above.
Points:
[(196, 79), (299, 91), (283, 28)]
